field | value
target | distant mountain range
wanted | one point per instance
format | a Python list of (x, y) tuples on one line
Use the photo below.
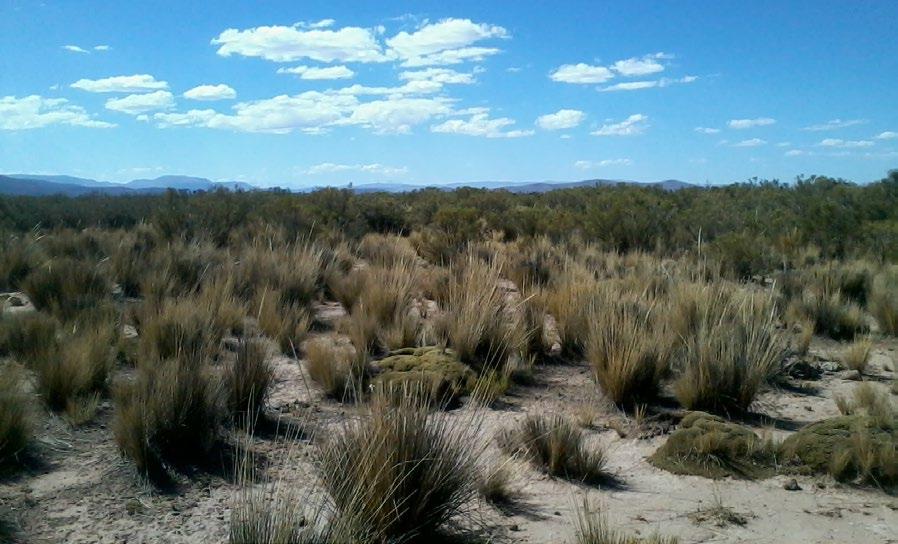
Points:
[(43, 185)]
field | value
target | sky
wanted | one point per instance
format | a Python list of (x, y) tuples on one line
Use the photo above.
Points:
[(305, 93)]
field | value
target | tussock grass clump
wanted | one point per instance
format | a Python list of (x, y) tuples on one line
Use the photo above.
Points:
[(76, 370), (478, 323), (591, 527), (16, 424), (732, 347), (861, 445), (628, 348), (26, 336), (883, 302), (17, 262), (556, 446), (857, 354), (404, 469), (65, 286), (568, 299), (832, 314), (805, 335), (386, 250), (334, 367), (169, 417), (288, 325), (706, 445), (248, 380)]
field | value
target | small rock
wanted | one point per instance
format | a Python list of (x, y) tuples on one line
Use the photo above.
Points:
[(514, 527), (792, 485)]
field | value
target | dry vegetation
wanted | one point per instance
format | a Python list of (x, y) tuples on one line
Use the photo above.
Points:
[(177, 336)]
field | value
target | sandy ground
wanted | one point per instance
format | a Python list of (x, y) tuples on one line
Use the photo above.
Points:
[(82, 491)]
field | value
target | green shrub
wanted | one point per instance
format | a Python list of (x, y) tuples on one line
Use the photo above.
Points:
[(706, 445)]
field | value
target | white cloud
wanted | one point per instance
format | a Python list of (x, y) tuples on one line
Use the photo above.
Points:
[(102, 47), (316, 73), (375, 168), (835, 124), (887, 135), (141, 103), (836, 142), (589, 165), (640, 66), (561, 119), (637, 85), (635, 124), (397, 115), (707, 130), (75, 49), (290, 43), (581, 73), (784, 144), (481, 125), (211, 92), (794, 153), (415, 87), (439, 75), (323, 23), (121, 84), (35, 111), (452, 56), (448, 41), (753, 142), (750, 123)]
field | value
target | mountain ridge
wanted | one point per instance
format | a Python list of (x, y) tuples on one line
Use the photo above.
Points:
[(42, 185)]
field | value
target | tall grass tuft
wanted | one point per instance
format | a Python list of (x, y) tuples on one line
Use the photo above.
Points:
[(76, 369), (628, 348), (27, 336), (557, 446), (591, 527), (248, 380), (169, 416), (733, 350), (66, 286), (404, 469), (857, 354), (479, 324), (335, 368), (883, 301), (16, 425)]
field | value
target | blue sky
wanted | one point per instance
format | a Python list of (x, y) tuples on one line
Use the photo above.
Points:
[(313, 93)]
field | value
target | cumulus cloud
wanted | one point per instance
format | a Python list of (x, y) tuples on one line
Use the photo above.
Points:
[(135, 104), (752, 142), (581, 73), (291, 43), (30, 112), (211, 92), (835, 124), (449, 41), (794, 153), (707, 130), (313, 72), (887, 135), (315, 112), (102, 47), (75, 49), (439, 75), (589, 165), (632, 125), (480, 124), (637, 85), (750, 123), (643, 66), (374, 168), (561, 119), (136, 83), (836, 142)]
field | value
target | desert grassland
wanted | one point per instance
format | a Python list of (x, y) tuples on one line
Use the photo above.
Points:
[(405, 369)]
